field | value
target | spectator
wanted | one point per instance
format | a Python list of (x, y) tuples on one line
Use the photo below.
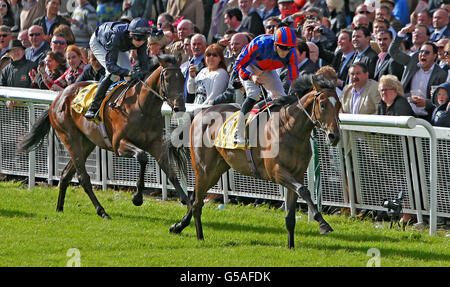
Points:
[(317, 4), (237, 43), (164, 19), (192, 10), (270, 9), (16, 74), (185, 27), (420, 35), (5, 39), (109, 44), (385, 12), (380, 24), (212, 80), (360, 20), (16, 8), (441, 114), (218, 27), (256, 66), (6, 13), (139, 9), (74, 60), (24, 39), (58, 44), (66, 32), (109, 10), (196, 63), (440, 25), (362, 9), (425, 18), (32, 9), (337, 15), (447, 59), (393, 101), (386, 64), (361, 95), (251, 21), (39, 46), (233, 19), (94, 71), (188, 52), (83, 23), (51, 19), (314, 55), (400, 10), (343, 56), (49, 70), (271, 24), (441, 53), (420, 74), (364, 53)]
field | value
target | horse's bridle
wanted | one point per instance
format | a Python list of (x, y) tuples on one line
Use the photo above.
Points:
[(315, 122), (162, 84)]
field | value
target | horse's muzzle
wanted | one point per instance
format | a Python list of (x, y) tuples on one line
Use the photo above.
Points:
[(333, 138)]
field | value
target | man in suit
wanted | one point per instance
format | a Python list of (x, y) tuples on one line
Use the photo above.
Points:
[(233, 19), (420, 73), (386, 64), (218, 27), (251, 20), (270, 8), (364, 53), (440, 25), (39, 46), (361, 96), (198, 47), (51, 19), (192, 10)]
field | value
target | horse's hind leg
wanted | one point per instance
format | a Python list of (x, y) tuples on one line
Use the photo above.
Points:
[(291, 206), (127, 149), (66, 177)]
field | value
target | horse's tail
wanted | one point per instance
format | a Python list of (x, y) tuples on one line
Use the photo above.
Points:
[(35, 137), (178, 156)]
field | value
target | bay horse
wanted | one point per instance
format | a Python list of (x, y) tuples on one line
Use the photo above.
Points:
[(297, 118), (134, 128)]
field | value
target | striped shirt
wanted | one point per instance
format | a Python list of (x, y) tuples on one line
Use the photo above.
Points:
[(86, 25)]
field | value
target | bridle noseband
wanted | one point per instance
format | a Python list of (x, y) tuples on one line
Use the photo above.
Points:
[(162, 84), (315, 122)]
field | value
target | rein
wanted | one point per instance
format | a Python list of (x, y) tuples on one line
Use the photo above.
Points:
[(315, 122), (162, 84)]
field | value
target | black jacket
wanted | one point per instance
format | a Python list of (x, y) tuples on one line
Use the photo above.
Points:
[(400, 107), (388, 67), (58, 21), (16, 74), (370, 58), (89, 74)]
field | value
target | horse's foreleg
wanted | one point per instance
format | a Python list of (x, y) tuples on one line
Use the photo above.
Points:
[(291, 206), (66, 177), (324, 227), (127, 149)]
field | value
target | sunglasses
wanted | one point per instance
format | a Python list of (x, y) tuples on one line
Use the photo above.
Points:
[(284, 48), (268, 27), (138, 37), (212, 54), (424, 52), (34, 34), (3, 35), (3, 5), (58, 42), (363, 12)]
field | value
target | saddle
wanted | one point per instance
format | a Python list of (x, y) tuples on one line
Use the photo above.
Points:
[(225, 136), (85, 97)]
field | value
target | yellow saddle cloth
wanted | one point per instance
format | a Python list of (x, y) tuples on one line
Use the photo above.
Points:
[(85, 97), (225, 136)]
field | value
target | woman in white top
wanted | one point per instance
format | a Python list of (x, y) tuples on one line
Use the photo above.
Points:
[(212, 80)]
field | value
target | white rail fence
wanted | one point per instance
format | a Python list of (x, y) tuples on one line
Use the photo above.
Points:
[(377, 158)]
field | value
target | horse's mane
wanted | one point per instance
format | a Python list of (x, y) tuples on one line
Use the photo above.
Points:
[(302, 86)]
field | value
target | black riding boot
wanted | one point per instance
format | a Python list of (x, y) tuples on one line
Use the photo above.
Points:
[(246, 108), (99, 96)]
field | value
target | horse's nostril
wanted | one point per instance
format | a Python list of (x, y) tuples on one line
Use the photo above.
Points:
[(175, 109), (331, 137)]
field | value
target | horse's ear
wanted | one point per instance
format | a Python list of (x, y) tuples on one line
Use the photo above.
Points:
[(161, 61), (179, 59), (315, 83)]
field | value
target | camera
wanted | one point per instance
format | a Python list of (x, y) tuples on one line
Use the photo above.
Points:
[(394, 207), (321, 30)]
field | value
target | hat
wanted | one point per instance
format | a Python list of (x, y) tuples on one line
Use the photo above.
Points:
[(14, 44), (139, 26), (388, 1)]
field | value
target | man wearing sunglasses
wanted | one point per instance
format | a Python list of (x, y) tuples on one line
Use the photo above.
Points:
[(256, 67), (110, 44)]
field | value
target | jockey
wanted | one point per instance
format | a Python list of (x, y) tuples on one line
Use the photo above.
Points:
[(110, 44), (256, 66)]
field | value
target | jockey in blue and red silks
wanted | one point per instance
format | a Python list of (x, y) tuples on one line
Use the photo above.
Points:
[(256, 66)]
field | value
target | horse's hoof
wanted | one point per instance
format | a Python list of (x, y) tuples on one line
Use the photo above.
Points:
[(137, 200), (325, 228), (106, 216), (174, 229)]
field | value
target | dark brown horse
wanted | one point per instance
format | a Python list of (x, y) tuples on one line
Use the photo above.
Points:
[(287, 131), (134, 125)]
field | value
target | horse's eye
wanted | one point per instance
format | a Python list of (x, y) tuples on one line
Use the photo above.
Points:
[(322, 106)]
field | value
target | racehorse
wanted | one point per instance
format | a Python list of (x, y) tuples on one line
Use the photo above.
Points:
[(297, 118), (134, 128)]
